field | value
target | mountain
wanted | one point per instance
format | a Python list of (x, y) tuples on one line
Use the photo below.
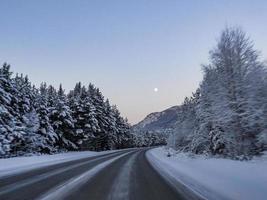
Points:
[(158, 121)]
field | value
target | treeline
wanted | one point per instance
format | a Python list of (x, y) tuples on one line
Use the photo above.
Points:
[(149, 138), (46, 120), (227, 115)]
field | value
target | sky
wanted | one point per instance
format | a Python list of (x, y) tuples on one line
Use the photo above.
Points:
[(126, 48)]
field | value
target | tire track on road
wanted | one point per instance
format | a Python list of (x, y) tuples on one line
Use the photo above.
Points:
[(121, 186), (62, 190), (26, 182)]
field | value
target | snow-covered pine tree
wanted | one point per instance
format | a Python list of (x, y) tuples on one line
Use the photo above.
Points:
[(26, 95), (75, 104), (90, 126), (110, 128), (11, 126), (62, 121), (84, 116), (100, 141), (47, 137), (124, 138)]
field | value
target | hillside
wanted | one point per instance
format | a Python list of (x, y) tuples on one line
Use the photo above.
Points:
[(158, 121)]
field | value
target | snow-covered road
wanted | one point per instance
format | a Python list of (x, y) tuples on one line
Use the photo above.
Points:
[(136, 174), (125, 174)]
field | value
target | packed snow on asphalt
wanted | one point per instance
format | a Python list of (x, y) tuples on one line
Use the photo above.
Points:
[(20, 164)]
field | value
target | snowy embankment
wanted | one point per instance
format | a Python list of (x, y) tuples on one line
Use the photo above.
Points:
[(213, 178), (18, 164)]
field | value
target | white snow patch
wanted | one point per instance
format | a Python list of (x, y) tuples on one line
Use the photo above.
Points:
[(214, 178)]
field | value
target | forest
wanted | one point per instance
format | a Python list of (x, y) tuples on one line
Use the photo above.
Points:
[(227, 115), (45, 120)]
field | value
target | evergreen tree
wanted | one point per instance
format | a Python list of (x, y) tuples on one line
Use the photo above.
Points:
[(62, 121), (45, 120), (11, 127), (26, 113), (75, 104), (47, 137)]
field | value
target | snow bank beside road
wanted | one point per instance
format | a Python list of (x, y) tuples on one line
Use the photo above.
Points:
[(15, 165), (214, 178)]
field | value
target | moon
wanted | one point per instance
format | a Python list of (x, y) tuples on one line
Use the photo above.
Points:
[(156, 89)]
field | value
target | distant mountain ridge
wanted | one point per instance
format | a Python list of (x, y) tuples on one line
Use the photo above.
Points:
[(158, 121)]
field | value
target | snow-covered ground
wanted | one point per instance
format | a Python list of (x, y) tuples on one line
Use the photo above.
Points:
[(18, 164), (214, 178)]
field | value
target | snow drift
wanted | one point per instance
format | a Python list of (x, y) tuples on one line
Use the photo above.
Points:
[(214, 178)]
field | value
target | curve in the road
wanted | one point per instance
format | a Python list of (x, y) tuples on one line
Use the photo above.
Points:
[(123, 175)]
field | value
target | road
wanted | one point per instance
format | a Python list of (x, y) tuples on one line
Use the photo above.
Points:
[(119, 175)]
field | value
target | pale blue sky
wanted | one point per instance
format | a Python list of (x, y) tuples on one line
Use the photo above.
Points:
[(124, 47)]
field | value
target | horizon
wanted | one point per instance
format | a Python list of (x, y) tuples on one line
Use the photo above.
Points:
[(145, 57)]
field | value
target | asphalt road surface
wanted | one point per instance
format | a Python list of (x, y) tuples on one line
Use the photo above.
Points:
[(115, 176)]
